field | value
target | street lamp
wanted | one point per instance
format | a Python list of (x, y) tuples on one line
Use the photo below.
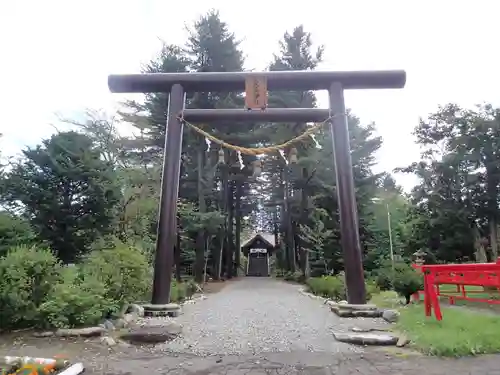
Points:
[(391, 248)]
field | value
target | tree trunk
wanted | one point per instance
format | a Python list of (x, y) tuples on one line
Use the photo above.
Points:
[(303, 220), (480, 252), (205, 266), (283, 225), (218, 255), (230, 230), (299, 259), (492, 224), (290, 243), (492, 189), (202, 207), (223, 230), (177, 256), (239, 189), (276, 228)]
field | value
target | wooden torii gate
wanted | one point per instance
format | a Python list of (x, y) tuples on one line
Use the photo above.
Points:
[(256, 86)]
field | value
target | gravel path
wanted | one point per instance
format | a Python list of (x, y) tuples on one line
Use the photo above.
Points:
[(258, 315)]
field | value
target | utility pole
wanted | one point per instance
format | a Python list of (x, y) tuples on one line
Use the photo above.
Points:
[(391, 248)]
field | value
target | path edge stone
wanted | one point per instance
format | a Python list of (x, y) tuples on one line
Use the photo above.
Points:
[(304, 292), (128, 315)]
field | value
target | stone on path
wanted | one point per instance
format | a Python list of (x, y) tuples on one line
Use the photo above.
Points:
[(346, 310), (43, 334), (119, 323), (135, 309), (354, 307), (403, 341), (109, 341), (391, 316), (366, 338), (108, 324), (355, 313), (82, 332), (153, 335), (129, 318), (361, 329)]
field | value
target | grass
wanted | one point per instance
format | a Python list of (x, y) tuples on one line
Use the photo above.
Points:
[(387, 299), (461, 332)]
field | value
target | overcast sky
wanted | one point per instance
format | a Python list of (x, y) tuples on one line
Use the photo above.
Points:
[(56, 55)]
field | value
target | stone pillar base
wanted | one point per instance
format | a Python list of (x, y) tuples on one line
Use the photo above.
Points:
[(170, 309)]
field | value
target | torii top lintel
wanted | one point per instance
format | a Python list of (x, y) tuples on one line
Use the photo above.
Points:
[(235, 81)]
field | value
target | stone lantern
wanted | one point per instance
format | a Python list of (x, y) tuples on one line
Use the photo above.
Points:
[(419, 257)]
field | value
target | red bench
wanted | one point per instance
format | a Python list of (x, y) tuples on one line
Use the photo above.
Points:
[(460, 275)]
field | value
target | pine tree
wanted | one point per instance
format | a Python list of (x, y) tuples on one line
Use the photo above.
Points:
[(211, 47), (295, 54), (67, 191)]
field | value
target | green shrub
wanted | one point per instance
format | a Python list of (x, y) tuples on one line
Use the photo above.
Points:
[(124, 271), (333, 287), (14, 231), (76, 301), (384, 279), (191, 287), (384, 276), (327, 286), (294, 276), (371, 289), (180, 291), (280, 273), (317, 268), (407, 282), (177, 291), (27, 275)]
